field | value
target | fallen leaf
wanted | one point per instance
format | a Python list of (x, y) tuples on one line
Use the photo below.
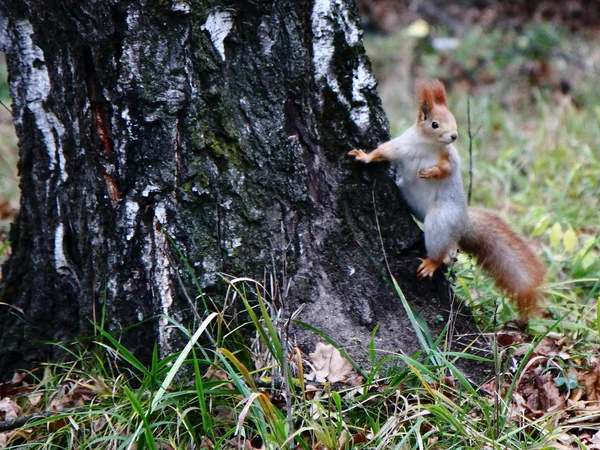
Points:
[(509, 338), (207, 443), (8, 409), (359, 438), (342, 440), (329, 364), (591, 383), (546, 347), (550, 398)]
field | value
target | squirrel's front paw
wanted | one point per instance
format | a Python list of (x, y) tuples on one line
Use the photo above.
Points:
[(360, 155), (426, 173)]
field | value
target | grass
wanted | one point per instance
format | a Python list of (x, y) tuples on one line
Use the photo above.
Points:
[(536, 162), (209, 396)]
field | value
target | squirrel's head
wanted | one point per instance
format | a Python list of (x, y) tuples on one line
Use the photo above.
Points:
[(435, 121)]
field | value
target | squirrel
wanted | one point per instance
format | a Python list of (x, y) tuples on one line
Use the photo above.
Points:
[(431, 183)]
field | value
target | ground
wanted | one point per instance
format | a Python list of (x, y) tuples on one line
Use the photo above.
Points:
[(531, 87)]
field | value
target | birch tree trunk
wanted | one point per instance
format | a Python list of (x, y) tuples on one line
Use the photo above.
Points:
[(224, 124)]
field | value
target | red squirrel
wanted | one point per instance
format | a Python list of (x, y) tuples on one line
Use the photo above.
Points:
[(431, 184)]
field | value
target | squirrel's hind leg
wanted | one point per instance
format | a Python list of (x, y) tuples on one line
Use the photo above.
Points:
[(440, 242), (427, 268)]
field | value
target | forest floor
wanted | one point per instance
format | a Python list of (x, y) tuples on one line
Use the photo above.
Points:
[(535, 116)]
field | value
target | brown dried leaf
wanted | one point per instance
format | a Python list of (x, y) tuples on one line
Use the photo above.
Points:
[(223, 412), (510, 338), (35, 398), (590, 381), (83, 393), (521, 350), (490, 386), (329, 364), (359, 438), (18, 377), (549, 396), (16, 386), (218, 374), (546, 347), (532, 396), (98, 424), (207, 444), (595, 440), (61, 401), (342, 440), (8, 409), (354, 379)]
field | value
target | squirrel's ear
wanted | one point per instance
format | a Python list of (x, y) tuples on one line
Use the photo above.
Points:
[(424, 111), (424, 99), (439, 92)]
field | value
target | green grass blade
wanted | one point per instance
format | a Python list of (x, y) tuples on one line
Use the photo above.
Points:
[(174, 369), (598, 316), (275, 341), (124, 353), (139, 410), (207, 422), (180, 359)]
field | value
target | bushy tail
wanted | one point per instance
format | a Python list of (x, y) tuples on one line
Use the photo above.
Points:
[(507, 257)]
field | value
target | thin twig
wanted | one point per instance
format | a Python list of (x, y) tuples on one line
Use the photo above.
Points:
[(288, 378), (470, 151), (471, 137), (379, 230), (193, 307), (7, 108), (452, 314), (497, 373)]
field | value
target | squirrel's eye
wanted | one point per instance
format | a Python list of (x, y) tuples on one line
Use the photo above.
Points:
[(435, 125)]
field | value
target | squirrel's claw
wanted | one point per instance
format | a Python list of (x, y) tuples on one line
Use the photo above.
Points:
[(425, 173), (427, 268), (359, 154)]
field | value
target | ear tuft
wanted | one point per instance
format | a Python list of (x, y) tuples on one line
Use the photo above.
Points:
[(424, 99), (438, 92), (430, 94)]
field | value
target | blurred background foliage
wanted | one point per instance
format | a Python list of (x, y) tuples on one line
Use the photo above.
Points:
[(9, 182), (530, 70)]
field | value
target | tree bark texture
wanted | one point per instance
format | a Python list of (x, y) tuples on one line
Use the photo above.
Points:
[(225, 124)]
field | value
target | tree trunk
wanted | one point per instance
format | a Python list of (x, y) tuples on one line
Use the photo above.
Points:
[(223, 124)]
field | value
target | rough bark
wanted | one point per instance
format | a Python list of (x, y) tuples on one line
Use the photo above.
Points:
[(225, 124)]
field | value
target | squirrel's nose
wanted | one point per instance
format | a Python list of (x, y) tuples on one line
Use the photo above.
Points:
[(454, 136)]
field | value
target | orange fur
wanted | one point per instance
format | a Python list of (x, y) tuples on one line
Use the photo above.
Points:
[(430, 94), (438, 92), (424, 99), (442, 170), (431, 98), (382, 153), (427, 268), (507, 257)]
